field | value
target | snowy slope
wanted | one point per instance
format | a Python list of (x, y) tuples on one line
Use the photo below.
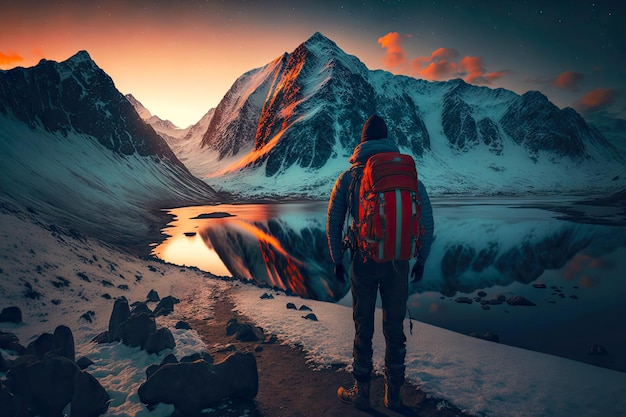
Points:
[(288, 129), (73, 149)]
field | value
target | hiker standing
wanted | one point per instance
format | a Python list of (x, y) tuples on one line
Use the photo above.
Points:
[(368, 276)]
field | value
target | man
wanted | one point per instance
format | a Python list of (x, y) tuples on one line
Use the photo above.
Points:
[(368, 277)]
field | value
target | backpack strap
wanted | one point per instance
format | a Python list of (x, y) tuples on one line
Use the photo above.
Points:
[(356, 172)]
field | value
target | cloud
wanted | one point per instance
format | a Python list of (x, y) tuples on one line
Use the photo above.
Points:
[(395, 57), (474, 72), (10, 58), (442, 64), (597, 99), (568, 80)]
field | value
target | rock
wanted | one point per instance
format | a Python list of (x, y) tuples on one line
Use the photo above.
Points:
[(101, 338), (9, 341), (84, 362), (160, 340), (44, 385), (87, 316), (481, 294), (198, 356), (90, 399), (539, 285), (182, 325), (153, 296), (266, 296), (464, 300), (120, 313), (136, 330), (165, 306), (305, 308), (43, 344), (63, 341), (232, 326), (193, 386), (244, 332), (518, 300), (291, 306), (170, 358), (11, 315), (140, 307), (310, 316), (151, 369)]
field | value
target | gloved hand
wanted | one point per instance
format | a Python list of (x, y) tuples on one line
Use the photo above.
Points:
[(417, 272), (340, 273)]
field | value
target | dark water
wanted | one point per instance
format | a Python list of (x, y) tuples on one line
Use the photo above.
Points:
[(484, 249)]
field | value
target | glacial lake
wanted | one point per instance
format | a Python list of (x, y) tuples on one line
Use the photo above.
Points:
[(568, 259)]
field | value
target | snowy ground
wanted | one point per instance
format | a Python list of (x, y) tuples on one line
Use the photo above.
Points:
[(39, 273)]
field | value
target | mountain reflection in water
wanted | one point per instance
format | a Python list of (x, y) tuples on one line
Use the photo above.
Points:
[(478, 244), (280, 245), (484, 250)]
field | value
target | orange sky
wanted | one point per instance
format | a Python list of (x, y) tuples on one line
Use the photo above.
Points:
[(179, 59)]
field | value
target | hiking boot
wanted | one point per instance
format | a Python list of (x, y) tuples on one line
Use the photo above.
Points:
[(358, 395), (392, 396)]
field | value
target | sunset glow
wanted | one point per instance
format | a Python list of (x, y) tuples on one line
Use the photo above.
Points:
[(179, 60)]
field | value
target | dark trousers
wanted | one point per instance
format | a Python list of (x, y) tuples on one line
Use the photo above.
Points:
[(367, 278)]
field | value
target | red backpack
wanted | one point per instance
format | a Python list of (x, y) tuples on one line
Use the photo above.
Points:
[(389, 222)]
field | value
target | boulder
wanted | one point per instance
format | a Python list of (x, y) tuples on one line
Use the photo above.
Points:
[(150, 370), (193, 386), (9, 341), (244, 332), (182, 325), (63, 342), (159, 340), (11, 315), (310, 316), (84, 362), (140, 307), (120, 313), (44, 385), (136, 330), (43, 344), (165, 306), (198, 356), (153, 296), (90, 399)]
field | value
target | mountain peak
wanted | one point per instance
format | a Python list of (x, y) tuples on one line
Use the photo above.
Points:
[(319, 37), (81, 56), (319, 41)]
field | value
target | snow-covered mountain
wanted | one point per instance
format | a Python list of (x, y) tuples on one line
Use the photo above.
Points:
[(614, 129), (183, 142), (289, 127), (74, 150)]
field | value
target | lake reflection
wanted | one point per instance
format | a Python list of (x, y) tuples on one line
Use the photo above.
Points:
[(282, 245), (483, 248)]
